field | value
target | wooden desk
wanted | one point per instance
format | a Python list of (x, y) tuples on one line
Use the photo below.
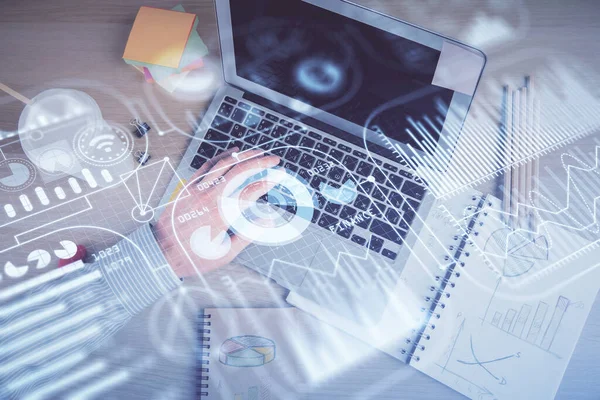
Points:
[(78, 44)]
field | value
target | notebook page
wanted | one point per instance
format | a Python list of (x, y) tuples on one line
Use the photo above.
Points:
[(319, 360), (403, 317), (515, 315)]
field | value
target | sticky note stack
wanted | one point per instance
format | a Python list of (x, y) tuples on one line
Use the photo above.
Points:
[(165, 46)]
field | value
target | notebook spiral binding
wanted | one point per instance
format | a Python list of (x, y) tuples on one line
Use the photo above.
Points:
[(202, 354), (445, 283)]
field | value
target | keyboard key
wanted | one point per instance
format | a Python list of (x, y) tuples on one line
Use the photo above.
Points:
[(252, 138), (380, 193), (321, 150), (336, 174), (378, 175), (406, 174), (316, 181), (304, 173), (245, 106), (278, 149), (292, 139), (410, 205), (230, 100), (387, 231), (359, 240), (350, 162), (198, 161), (390, 167), (278, 132), (332, 208), (207, 150), (359, 154), (258, 111), (392, 216), (315, 216), (413, 190), (408, 217), (265, 142), (344, 148), (307, 161), (362, 202), (238, 115), (293, 155), (320, 200), (236, 143), (347, 212), (377, 209), (238, 131), (271, 117), (363, 220), (300, 128), (307, 142), (287, 124), (394, 181), (375, 244), (396, 199), (226, 109), (252, 121), (345, 231), (326, 221), (315, 135), (265, 126), (222, 124), (216, 138), (364, 169), (336, 154), (290, 167), (330, 141), (365, 187), (389, 254)]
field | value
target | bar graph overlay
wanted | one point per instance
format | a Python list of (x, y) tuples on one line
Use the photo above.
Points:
[(538, 328)]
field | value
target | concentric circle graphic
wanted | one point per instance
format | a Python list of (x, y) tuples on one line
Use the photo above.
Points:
[(103, 144), (16, 174), (281, 219)]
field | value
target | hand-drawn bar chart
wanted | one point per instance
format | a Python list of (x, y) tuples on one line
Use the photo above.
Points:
[(541, 329)]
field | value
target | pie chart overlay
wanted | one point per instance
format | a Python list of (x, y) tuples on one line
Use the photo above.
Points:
[(68, 251), (41, 258), (247, 351), (210, 247), (16, 174)]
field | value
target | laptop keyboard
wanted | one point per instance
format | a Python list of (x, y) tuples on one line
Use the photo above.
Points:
[(384, 227)]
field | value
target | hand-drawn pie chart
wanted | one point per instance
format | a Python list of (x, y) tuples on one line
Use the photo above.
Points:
[(247, 351)]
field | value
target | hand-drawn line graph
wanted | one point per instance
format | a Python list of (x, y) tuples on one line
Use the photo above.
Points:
[(483, 391), (501, 380), (481, 153)]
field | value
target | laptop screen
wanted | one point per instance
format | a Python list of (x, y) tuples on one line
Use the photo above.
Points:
[(347, 68)]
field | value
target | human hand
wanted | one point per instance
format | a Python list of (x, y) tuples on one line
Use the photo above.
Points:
[(179, 222)]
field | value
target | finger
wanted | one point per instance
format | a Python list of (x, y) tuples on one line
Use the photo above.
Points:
[(247, 169), (225, 164), (211, 163)]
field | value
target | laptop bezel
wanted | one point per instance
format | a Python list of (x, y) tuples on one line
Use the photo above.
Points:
[(459, 105)]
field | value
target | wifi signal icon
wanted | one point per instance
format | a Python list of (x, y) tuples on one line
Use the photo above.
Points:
[(103, 142)]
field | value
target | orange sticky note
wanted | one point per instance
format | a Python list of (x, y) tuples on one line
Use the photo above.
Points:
[(159, 36)]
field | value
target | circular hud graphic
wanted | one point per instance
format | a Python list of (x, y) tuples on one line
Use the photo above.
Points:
[(103, 144), (278, 218), (16, 174)]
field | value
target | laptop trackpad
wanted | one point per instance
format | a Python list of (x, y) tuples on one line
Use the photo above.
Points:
[(287, 264)]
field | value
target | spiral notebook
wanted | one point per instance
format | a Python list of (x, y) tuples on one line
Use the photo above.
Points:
[(490, 313), (284, 353)]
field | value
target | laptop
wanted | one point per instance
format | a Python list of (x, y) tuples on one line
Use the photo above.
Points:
[(334, 89)]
